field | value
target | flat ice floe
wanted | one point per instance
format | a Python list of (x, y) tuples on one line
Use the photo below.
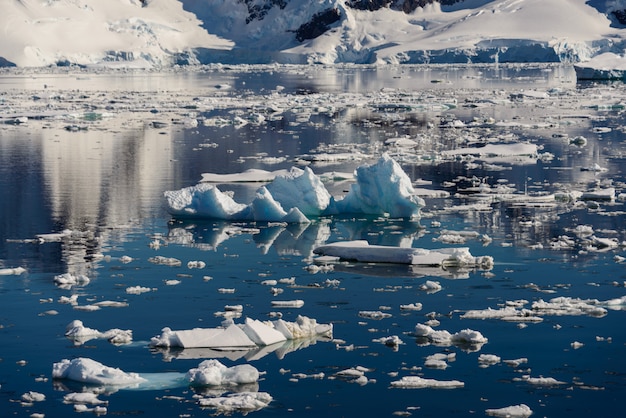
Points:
[(417, 382), (514, 411), (252, 333), (362, 251)]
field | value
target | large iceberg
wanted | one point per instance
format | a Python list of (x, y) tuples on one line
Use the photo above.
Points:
[(381, 189)]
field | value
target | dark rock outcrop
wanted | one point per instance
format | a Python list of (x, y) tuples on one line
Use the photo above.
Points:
[(319, 23)]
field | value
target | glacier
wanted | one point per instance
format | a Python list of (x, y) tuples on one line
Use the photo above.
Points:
[(166, 33)]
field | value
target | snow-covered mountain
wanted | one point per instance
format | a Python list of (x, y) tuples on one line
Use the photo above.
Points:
[(158, 33)]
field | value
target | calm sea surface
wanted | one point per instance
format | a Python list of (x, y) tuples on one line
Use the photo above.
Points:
[(94, 152)]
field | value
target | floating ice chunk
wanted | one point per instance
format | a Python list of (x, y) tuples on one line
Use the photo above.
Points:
[(242, 402), (362, 251), (249, 335), (249, 176), (542, 381), (196, 264), (486, 360), (411, 307), (31, 397), (213, 373), (80, 334), (86, 370), (297, 303), (392, 341), (168, 261), (12, 271), (431, 286), (205, 200), (374, 314), (445, 338), (83, 398), (137, 290), (514, 411), (301, 189), (417, 382)]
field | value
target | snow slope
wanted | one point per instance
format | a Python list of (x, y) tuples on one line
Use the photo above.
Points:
[(156, 33)]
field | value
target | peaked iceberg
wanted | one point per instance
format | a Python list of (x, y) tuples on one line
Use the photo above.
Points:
[(382, 189)]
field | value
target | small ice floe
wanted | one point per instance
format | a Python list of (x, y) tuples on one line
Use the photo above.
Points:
[(507, 313), (80, 334), (576, 345), (86, 370), (137, 290), (297, 303), (354, 375), (486, 360), (253, 333), (513, 411), (540, 381), (67, 280), (515, 362), (16, 271), (362, 251), (417, 382), (439, 360), (213, 373), (167, 261), (125, 259), (196, 265), (431, 286), (31, 397), (411, 307), (467, 338), (243, 402), (392, 341), (561, 306), (83, 398), (374, 315)]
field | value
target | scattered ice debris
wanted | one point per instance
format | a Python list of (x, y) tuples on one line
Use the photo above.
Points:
[(242, 402), (12, 271), (362, 251), (417, 382), (213, 373), (382, 189), (86, 370), (251, 334), (168, 261), (514, 411), (67, 280), (80, 334)]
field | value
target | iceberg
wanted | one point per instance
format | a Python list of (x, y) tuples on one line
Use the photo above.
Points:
[(362, 251), (606, 66), (380, 189)]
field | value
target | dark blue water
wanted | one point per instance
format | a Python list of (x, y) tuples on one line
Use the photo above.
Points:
[(107, 184)]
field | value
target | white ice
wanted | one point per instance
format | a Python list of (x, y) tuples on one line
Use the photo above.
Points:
[(87, 370), (244, 336), (362, 251), (514, 411), (381, 189)]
